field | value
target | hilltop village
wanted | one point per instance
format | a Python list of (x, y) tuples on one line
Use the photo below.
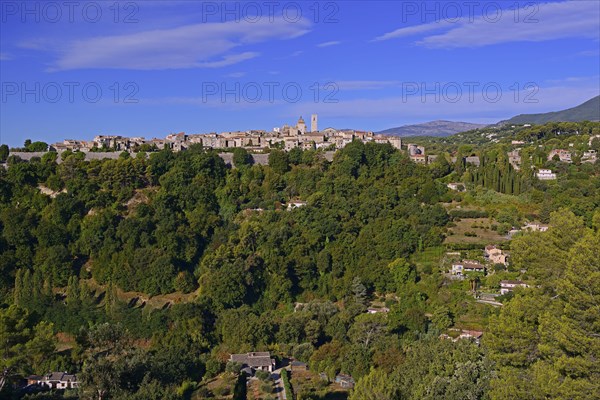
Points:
[(285, 138)]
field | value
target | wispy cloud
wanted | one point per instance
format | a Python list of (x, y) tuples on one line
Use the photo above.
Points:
[(331, 43), (5, 57), (413, 30), (236, 75), (217, 101), (550, 21), (588, 80), (365, 85), (228, 60), (550, 96), (208, 45), (589, 53)]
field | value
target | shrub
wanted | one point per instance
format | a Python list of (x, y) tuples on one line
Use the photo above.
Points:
[(262, 375), (213, 367), (186, 388), (222, 391), (233, 367), (266, 387), (303, 351), (185, 282), (468, 214)]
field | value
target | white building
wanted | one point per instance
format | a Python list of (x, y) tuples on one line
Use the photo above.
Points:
[(458, 186), (508, 286), (55, 380), (377, 310), (466, 266), (589, 156), (545, 175), (535, 227), (295, 204)]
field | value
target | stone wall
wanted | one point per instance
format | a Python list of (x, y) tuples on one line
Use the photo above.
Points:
[(261, 159)]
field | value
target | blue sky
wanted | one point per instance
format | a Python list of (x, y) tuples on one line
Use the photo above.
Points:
[(150, 68)]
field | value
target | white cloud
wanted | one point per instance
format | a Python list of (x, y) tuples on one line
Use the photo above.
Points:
[(549, 21), (327, 44), (208, 45), (5, 57)]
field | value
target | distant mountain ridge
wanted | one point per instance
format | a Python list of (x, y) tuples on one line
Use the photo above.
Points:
[(433, 128), (588, 111)]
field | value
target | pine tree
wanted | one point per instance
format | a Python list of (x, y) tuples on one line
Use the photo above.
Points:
[(359, 291), (73, 292)]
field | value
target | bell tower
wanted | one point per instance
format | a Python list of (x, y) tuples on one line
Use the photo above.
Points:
[(313, 123)]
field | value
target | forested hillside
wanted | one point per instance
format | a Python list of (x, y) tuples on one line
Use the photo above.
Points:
[(587, 111), (87, 245)]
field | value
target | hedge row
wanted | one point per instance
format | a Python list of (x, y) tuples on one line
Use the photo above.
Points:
[(289, 393), (469, 214)]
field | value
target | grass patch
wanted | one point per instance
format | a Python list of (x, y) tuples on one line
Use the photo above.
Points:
[(474, 230), (429, 260)]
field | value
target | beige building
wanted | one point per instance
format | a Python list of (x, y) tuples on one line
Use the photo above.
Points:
[(301, 126), (495, 255)]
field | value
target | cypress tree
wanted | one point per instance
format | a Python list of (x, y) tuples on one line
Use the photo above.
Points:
[(27, 289), (18, 292)]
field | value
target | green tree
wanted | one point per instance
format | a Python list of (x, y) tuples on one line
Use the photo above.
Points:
[(26, 347), (377, 385), (442, 318), (367, 329), (37, 147), (241, 158), (278, 161), (359, 291), (3, 152)]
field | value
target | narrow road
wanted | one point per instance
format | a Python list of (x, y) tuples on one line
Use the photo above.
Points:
[(491, 303), (279, 389)]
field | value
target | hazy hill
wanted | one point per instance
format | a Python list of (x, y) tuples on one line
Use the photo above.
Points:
[(588, 111), (433, 128)]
